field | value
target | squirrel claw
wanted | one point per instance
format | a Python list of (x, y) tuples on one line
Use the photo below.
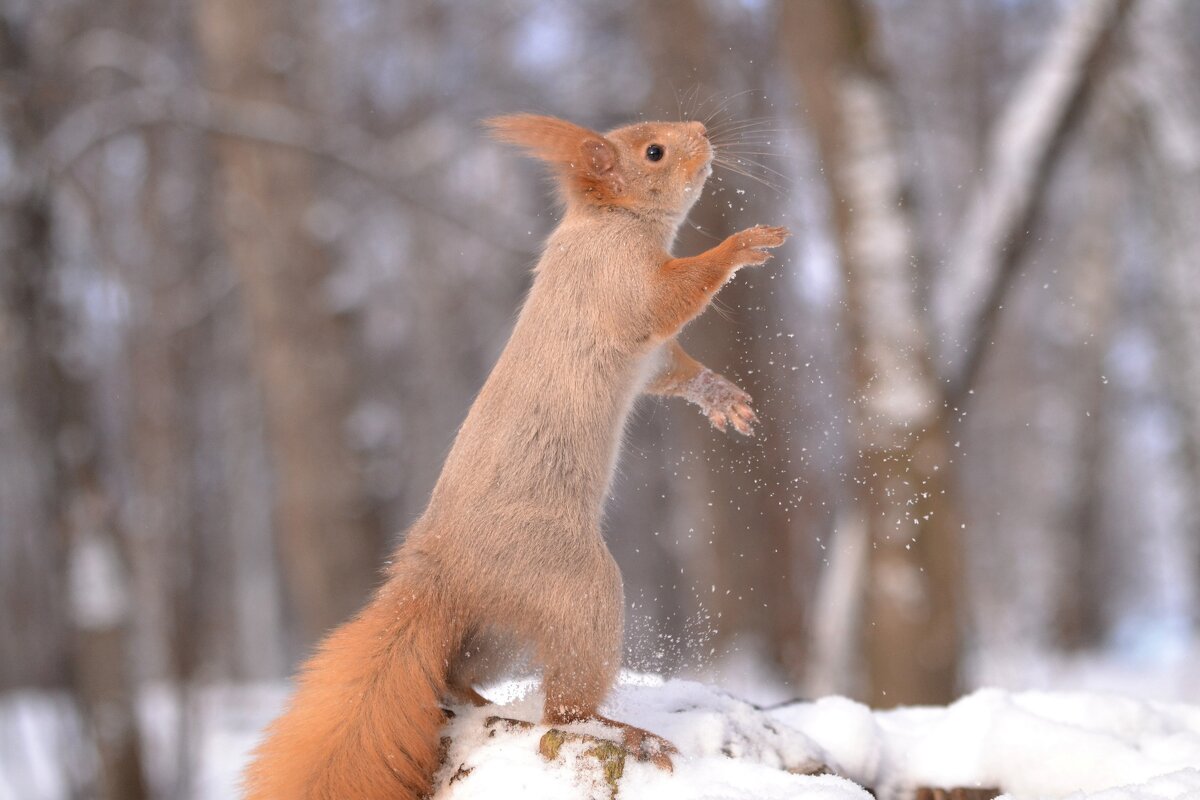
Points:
[(743, 419), (755, 242), (723, 402)]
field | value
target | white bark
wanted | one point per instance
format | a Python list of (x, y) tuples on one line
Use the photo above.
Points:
[(837, 609), (1022, 147), (908, 626), (899, 395)]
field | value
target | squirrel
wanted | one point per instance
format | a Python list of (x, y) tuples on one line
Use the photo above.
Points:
[(508, 560)]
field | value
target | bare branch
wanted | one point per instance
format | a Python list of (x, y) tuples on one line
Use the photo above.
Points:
[(1025, 142), (387, 163)]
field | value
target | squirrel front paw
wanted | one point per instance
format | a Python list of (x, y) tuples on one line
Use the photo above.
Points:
[(722, 401), (749, 247)]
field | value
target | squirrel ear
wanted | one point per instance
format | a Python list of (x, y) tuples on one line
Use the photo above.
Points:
[(583, 157), (599, 156), (548, 138), (597, 175)]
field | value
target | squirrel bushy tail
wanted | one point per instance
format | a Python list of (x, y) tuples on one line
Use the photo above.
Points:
[(366, 714)]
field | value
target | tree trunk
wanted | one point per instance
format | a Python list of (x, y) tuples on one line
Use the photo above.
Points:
[(1080, 615), (912, 636), (327, 537), (751, 534), (910, 627), (57, 406), (1025, 142), (1166, 88)]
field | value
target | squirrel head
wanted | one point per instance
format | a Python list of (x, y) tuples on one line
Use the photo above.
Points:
[(655, 169)]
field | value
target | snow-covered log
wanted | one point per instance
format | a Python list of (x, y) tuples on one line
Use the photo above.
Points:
[(1029, 744)]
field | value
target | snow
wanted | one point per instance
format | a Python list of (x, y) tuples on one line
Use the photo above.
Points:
[(728, 749), (1031, 744)]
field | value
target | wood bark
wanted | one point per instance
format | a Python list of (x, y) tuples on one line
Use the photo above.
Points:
[(907, 390), (912, 636), (1080, 618), (58, 408)]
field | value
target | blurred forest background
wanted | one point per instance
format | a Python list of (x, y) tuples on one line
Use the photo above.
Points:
[(257, 257)]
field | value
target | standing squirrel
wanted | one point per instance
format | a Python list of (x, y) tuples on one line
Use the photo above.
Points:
[(508, 559)]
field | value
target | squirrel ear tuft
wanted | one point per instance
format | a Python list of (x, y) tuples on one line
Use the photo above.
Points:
[(555, 140), (547, 138), (583, 159)]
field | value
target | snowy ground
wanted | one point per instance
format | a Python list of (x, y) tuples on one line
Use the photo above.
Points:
[(1030, 744)]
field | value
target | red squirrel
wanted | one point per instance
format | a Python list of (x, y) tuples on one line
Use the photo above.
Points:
[(508, 558)]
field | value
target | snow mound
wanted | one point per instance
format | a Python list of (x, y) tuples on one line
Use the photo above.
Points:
[(1028, 744), (728, 749)]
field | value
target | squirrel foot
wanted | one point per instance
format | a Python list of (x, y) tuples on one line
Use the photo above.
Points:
[(751, 245), (635, 742), (722, 401), (644, 745)]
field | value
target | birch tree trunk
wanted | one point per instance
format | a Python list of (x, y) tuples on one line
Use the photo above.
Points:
[(1025, 142), (911, 630), (326, 536)]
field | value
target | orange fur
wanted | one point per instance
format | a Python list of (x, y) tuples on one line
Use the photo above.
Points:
[(584, 161), (364, 720), (686, 285)]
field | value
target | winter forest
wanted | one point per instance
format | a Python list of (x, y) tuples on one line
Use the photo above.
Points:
[(257, 259)]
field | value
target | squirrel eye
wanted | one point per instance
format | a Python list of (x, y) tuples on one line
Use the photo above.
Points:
[(655, 152)]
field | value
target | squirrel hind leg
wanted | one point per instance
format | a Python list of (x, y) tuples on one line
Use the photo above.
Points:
[(575, 685), (485, 657)]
